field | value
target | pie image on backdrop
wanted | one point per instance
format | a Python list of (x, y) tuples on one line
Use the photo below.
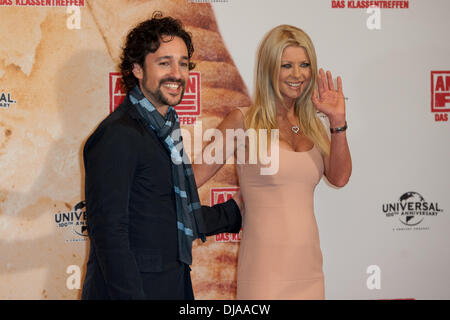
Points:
[(58, 79), (222, 90)]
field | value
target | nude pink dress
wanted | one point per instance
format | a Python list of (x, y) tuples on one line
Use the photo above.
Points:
[(280, 255)]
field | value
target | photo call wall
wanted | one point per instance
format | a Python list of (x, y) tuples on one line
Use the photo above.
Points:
[(385, 235)]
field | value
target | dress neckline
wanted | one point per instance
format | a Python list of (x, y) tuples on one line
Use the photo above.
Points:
[(292, 151)]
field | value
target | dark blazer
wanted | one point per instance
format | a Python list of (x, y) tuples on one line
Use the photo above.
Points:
[(131, 214)]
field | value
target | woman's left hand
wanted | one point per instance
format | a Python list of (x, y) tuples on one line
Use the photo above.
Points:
[(328, 100)]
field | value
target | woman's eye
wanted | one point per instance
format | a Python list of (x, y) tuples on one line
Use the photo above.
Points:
[(286, 65), (305, 65)]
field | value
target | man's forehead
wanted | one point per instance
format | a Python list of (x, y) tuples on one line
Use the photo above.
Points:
[(171, 47)]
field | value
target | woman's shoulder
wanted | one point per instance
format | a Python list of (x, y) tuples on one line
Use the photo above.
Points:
[(235, 119), (239, 112)]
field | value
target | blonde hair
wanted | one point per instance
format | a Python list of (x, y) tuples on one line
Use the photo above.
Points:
[(263, 113)]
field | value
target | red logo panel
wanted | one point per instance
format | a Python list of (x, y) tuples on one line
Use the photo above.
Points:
[(190, 104), (116, 92), (440, 94)]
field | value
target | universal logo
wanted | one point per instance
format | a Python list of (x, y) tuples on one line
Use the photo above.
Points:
[(5, 100), (411, 210), (73, 223)]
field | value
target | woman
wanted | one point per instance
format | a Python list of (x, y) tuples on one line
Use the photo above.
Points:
[(280, 255)]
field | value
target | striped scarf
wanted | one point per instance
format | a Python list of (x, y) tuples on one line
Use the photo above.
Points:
[(185, 188)]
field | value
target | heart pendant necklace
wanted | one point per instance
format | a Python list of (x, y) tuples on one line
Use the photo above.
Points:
[(295, 129)]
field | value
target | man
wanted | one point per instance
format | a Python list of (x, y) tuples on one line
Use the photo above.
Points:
[(143, 210)]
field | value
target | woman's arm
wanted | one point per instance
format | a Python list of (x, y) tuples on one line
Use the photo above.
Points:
[(338, 165), (203, 168)]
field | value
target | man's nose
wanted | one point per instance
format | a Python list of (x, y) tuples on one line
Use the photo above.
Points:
[(175, 71)]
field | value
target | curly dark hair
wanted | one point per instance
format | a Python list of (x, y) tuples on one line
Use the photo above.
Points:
[(146, 38)]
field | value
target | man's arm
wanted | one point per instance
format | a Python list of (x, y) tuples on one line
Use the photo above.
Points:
[(223, 217), (110, 158)]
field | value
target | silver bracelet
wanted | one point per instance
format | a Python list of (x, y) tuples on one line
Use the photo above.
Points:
[(339, 129)]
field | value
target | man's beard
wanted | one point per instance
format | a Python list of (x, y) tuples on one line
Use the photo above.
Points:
[(159, 97)]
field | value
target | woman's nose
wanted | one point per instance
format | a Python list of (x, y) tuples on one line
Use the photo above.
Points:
[(296, 71)]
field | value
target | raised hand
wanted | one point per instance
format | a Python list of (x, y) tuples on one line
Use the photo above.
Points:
[(328, 100)]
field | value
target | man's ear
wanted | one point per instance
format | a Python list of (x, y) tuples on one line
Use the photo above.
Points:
[(137, 70)]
